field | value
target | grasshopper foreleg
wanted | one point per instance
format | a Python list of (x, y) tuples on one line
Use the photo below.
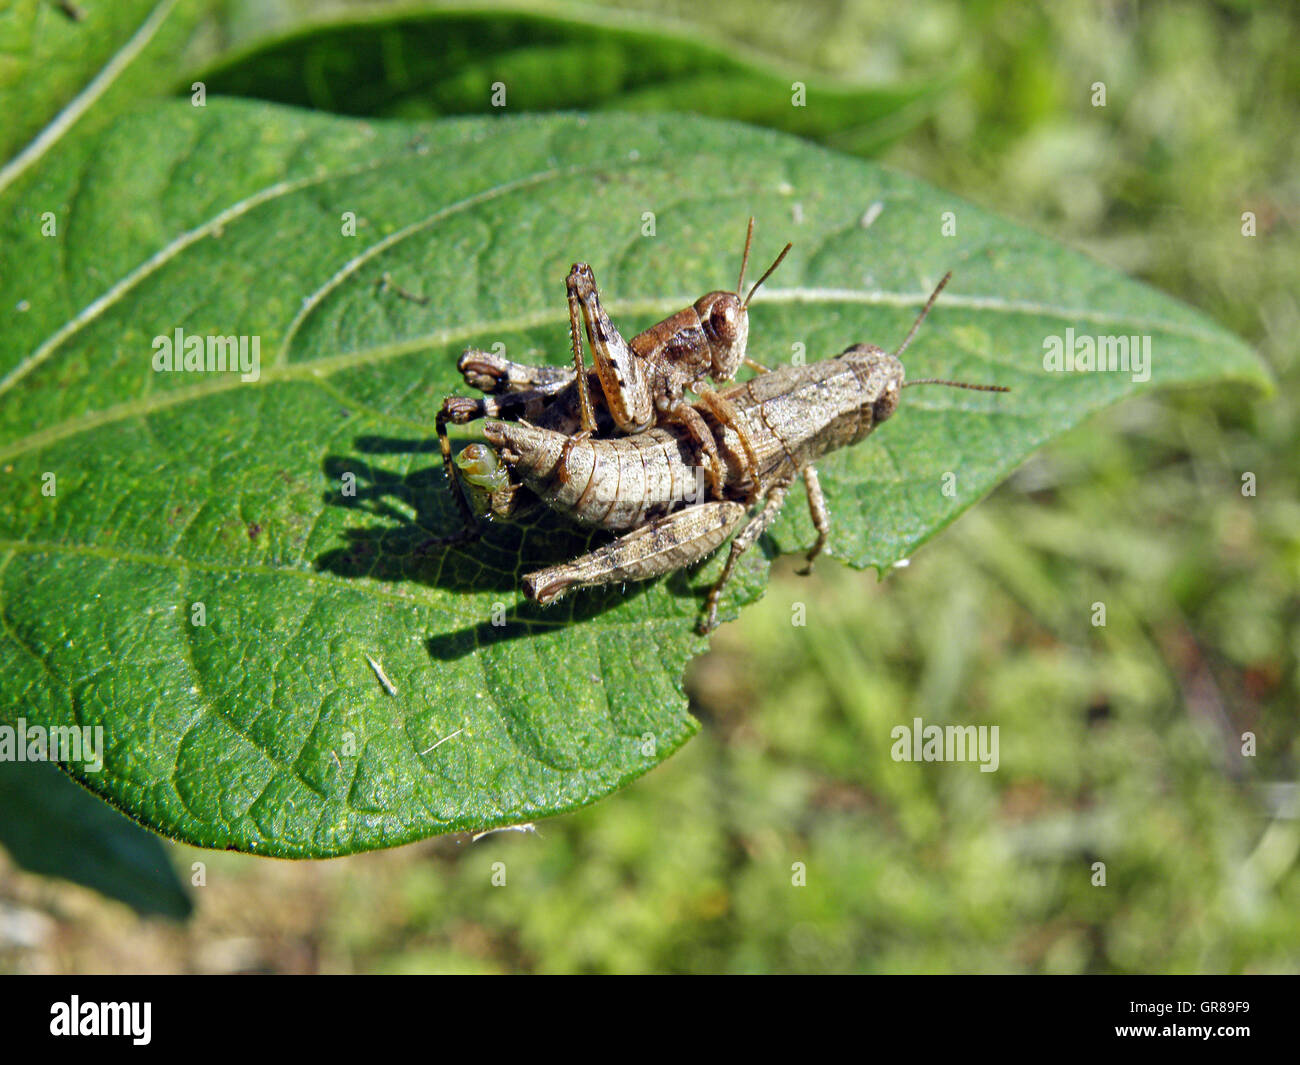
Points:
[(663, 546), (752, 531), (731, 418), (622, 375), (699, 429)]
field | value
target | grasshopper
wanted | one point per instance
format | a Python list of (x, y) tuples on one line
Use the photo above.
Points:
[(642, 381), (638, 483)]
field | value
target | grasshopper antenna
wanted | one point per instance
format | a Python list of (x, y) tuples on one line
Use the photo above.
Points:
[(935, 380), (957, 384), (921, 317), (744, 259), (766, 274)]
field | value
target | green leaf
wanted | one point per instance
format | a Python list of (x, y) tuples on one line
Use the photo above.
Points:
[(51, 826), (66, 71), (47, 58), (436, 62), (266, 729)]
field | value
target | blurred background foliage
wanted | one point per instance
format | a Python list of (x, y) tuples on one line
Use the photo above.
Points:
[(1118, 744)]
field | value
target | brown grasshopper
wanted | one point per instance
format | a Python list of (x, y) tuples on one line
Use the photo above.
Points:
[(642, 382), (640, 483)]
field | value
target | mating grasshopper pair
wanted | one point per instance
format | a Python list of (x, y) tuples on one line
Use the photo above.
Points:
[(753, 440), (641, 381)]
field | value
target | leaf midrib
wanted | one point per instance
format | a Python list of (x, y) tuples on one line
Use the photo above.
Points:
[(282, 370), (325, 366)]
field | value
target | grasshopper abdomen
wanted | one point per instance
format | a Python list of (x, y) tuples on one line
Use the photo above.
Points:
[(610, 484)]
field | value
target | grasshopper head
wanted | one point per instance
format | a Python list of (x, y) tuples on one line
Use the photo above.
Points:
[(883, 375), (725, 317), (486, 479), (726, 327)]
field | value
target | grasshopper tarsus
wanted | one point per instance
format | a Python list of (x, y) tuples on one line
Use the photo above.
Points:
[(576, 439), (494, 374)]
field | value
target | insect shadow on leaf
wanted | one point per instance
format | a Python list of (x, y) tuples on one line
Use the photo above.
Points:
[(399, 513)]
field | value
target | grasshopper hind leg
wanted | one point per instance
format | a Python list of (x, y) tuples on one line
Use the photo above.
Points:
[(663, 546), (622, 376)]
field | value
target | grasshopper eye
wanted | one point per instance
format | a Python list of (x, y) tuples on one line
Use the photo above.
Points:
[(885, 405), (724, 320)]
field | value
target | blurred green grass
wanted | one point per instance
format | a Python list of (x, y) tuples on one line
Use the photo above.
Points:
[(1118, 744)]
